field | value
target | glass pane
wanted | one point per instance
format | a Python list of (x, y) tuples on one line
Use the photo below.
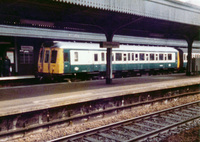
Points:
[(41, 56), (95, 57), (160, 56), (46, 57), (102, 57), (53, 56), (132, 56), (124, 57), (66, 57), (118, 56), (169, 56), (141, 56), (76, 56), (151, 57)]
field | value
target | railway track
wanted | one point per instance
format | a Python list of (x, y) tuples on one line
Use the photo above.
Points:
[(145, 128), (44, 119)]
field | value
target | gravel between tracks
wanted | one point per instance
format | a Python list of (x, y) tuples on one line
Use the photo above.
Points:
[(62, 130)]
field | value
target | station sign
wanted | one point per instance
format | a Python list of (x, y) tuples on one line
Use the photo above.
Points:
[(27, 48), (109, 45)]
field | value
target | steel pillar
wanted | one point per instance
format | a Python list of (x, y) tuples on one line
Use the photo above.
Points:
[(189, 57), (109, 38), (16, 56), (109, 66)]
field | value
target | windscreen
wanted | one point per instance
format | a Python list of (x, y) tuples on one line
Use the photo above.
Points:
[(53, 56)]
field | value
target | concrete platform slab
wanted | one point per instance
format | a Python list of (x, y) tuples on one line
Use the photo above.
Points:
[(31, 98)]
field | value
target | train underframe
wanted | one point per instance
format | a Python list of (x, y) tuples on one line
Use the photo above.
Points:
[(102, 75)]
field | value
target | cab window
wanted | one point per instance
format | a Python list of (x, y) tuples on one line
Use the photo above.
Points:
[(41, 56), (46, 56), (53, 56)]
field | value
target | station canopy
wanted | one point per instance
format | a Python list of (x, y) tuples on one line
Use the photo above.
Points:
[(165, 19)]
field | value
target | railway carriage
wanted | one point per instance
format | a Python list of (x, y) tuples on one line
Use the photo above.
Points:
[(82, 59), (183, 56)]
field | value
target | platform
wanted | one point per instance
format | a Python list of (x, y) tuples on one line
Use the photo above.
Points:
[(30, 98)]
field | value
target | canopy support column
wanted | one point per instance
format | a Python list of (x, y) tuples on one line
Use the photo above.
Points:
[(109, 66), (189, 57), (109, 45)]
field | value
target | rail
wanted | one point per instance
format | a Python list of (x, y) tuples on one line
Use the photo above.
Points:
[(140, 128)]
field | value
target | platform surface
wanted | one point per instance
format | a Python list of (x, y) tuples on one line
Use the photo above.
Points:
[(35, 97)]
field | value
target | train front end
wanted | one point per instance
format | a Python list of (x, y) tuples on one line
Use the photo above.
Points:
[(50, 62)]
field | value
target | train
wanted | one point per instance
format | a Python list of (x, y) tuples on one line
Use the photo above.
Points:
[(59, 59)]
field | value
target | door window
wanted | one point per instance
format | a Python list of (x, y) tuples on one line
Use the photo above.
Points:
[(46, 56)]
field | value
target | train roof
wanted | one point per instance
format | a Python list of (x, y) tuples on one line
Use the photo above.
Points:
[(96, 46)]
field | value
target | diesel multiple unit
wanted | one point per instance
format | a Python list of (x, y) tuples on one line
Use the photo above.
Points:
[(58, 59)]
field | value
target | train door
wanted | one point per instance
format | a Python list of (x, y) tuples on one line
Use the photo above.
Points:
[(43, 65), (96, 62), (40, 61), (46, 64), (67, 61)]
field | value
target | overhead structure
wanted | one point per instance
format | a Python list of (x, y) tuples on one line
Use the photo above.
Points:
[(164, 19)]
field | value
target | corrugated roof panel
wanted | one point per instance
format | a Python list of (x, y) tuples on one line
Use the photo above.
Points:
[(160, 9)]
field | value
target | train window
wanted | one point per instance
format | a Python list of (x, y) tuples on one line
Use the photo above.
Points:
[(118, 56), (156, 57), (129, 56), (102, 57), (76, 56), (165, 57), (125, 58), (41, 56), (152, 57), (161, 57), (47, 56), (112, 57), (53, 56), (141, 56), (66, 57), (133, 57), (136, 57), (147, 57), (95, 57), (169, 56), (185, 56)]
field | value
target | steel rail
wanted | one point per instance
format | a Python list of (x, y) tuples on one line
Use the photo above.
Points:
[(84, 134)]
